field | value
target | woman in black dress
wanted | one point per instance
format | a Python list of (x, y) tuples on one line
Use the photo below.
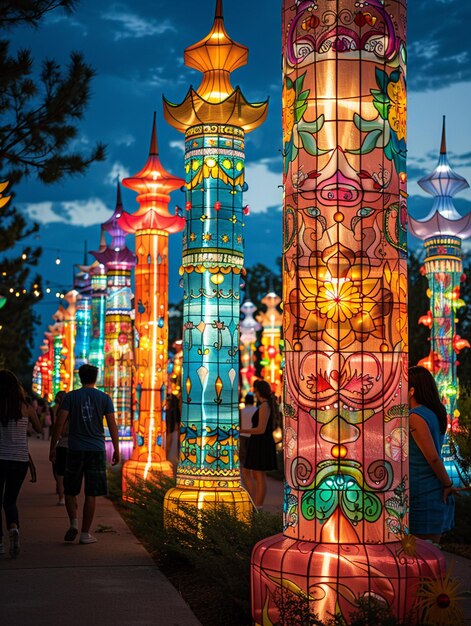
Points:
[(261, 452)]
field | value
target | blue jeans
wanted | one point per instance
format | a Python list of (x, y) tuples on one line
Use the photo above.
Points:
[(12, 475)]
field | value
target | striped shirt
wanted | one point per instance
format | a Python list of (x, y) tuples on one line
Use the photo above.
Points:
[(13, 440)]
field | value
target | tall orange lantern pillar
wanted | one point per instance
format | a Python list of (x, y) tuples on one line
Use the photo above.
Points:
[(345, 323), (151, 225)]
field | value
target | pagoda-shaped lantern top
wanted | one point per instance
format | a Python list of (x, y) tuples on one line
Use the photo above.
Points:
[(216, 101), (153, 185), (116, 255), (443, 183)]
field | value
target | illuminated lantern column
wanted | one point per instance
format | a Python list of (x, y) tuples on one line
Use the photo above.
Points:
[(118, 261), (47, 361), (37, 379), (344, 320), (248, 336), (96, 355), (214, 119), (443, 230), (271, 321), (68, 347), (56, 331), (151, 224), (83, 319)]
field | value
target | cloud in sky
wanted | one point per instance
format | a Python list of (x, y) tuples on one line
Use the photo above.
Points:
[(134, 26), (117, 171), (125, 139), (264, 192), (179, 145), (90, 212), (439, 53)]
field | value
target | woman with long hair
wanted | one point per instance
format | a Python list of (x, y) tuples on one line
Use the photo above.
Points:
[(15, 414), (432, 504), (261, 451)]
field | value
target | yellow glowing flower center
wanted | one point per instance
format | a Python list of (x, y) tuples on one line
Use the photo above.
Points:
[(339, 301)]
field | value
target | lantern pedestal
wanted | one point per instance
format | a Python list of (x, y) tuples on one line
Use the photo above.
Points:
[(178, 499), (140, 470), (332, 576)]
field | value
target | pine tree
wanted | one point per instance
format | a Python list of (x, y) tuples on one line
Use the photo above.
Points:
[(39, 116), (19, 291)]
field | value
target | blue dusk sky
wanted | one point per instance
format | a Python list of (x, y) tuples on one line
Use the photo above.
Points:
[(137, 50)]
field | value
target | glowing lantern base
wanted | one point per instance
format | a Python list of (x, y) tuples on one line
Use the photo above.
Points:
[(332, 576), (125, 448), (135, 471), (178, 499)]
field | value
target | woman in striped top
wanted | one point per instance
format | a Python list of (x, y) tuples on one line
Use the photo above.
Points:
[(15, 414)]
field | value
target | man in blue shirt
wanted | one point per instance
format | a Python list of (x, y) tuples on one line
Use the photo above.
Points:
[(85, 409)]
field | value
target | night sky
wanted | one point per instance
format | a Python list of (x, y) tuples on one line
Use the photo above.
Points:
[(137, 50)]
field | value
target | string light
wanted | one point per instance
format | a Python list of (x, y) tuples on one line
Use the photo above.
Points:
[(58, 261)]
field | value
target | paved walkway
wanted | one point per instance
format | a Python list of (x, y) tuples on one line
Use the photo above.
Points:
[(51, 583)]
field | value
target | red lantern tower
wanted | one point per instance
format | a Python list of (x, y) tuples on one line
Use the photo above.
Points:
[(151, 224)]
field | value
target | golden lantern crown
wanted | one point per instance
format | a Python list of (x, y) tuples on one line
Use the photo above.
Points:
[(216, 56), (215, 101)]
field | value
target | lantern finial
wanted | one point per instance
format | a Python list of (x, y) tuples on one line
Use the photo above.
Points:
[(443, 144), (154, 147)]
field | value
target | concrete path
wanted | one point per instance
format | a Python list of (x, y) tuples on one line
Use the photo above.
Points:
[(112, 582)]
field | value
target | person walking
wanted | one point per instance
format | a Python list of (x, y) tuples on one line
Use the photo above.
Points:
[(58, 467), (85, 409), (261, 451), (432, 505), (15, 415), (172, 421), (246, 415)]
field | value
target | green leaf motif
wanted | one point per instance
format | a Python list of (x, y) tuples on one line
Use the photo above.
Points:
[(310, 144), (381, 79), (344, 491), (369, 143), (366, 125), (299, 110), (312, 127), (382, 108)]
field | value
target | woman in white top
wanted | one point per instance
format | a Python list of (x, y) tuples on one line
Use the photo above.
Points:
[(15, 414)]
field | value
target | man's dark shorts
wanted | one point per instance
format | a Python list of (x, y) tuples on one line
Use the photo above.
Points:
[(92, 466)]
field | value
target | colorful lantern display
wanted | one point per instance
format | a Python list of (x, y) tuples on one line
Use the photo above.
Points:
[(214, 119), (56, 331), (344, 320), (271, 321), (248, 337), (46, 364), (443, 230), (83, 317), (96, 354), (152, 224), (118, 261), (68, 344)]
